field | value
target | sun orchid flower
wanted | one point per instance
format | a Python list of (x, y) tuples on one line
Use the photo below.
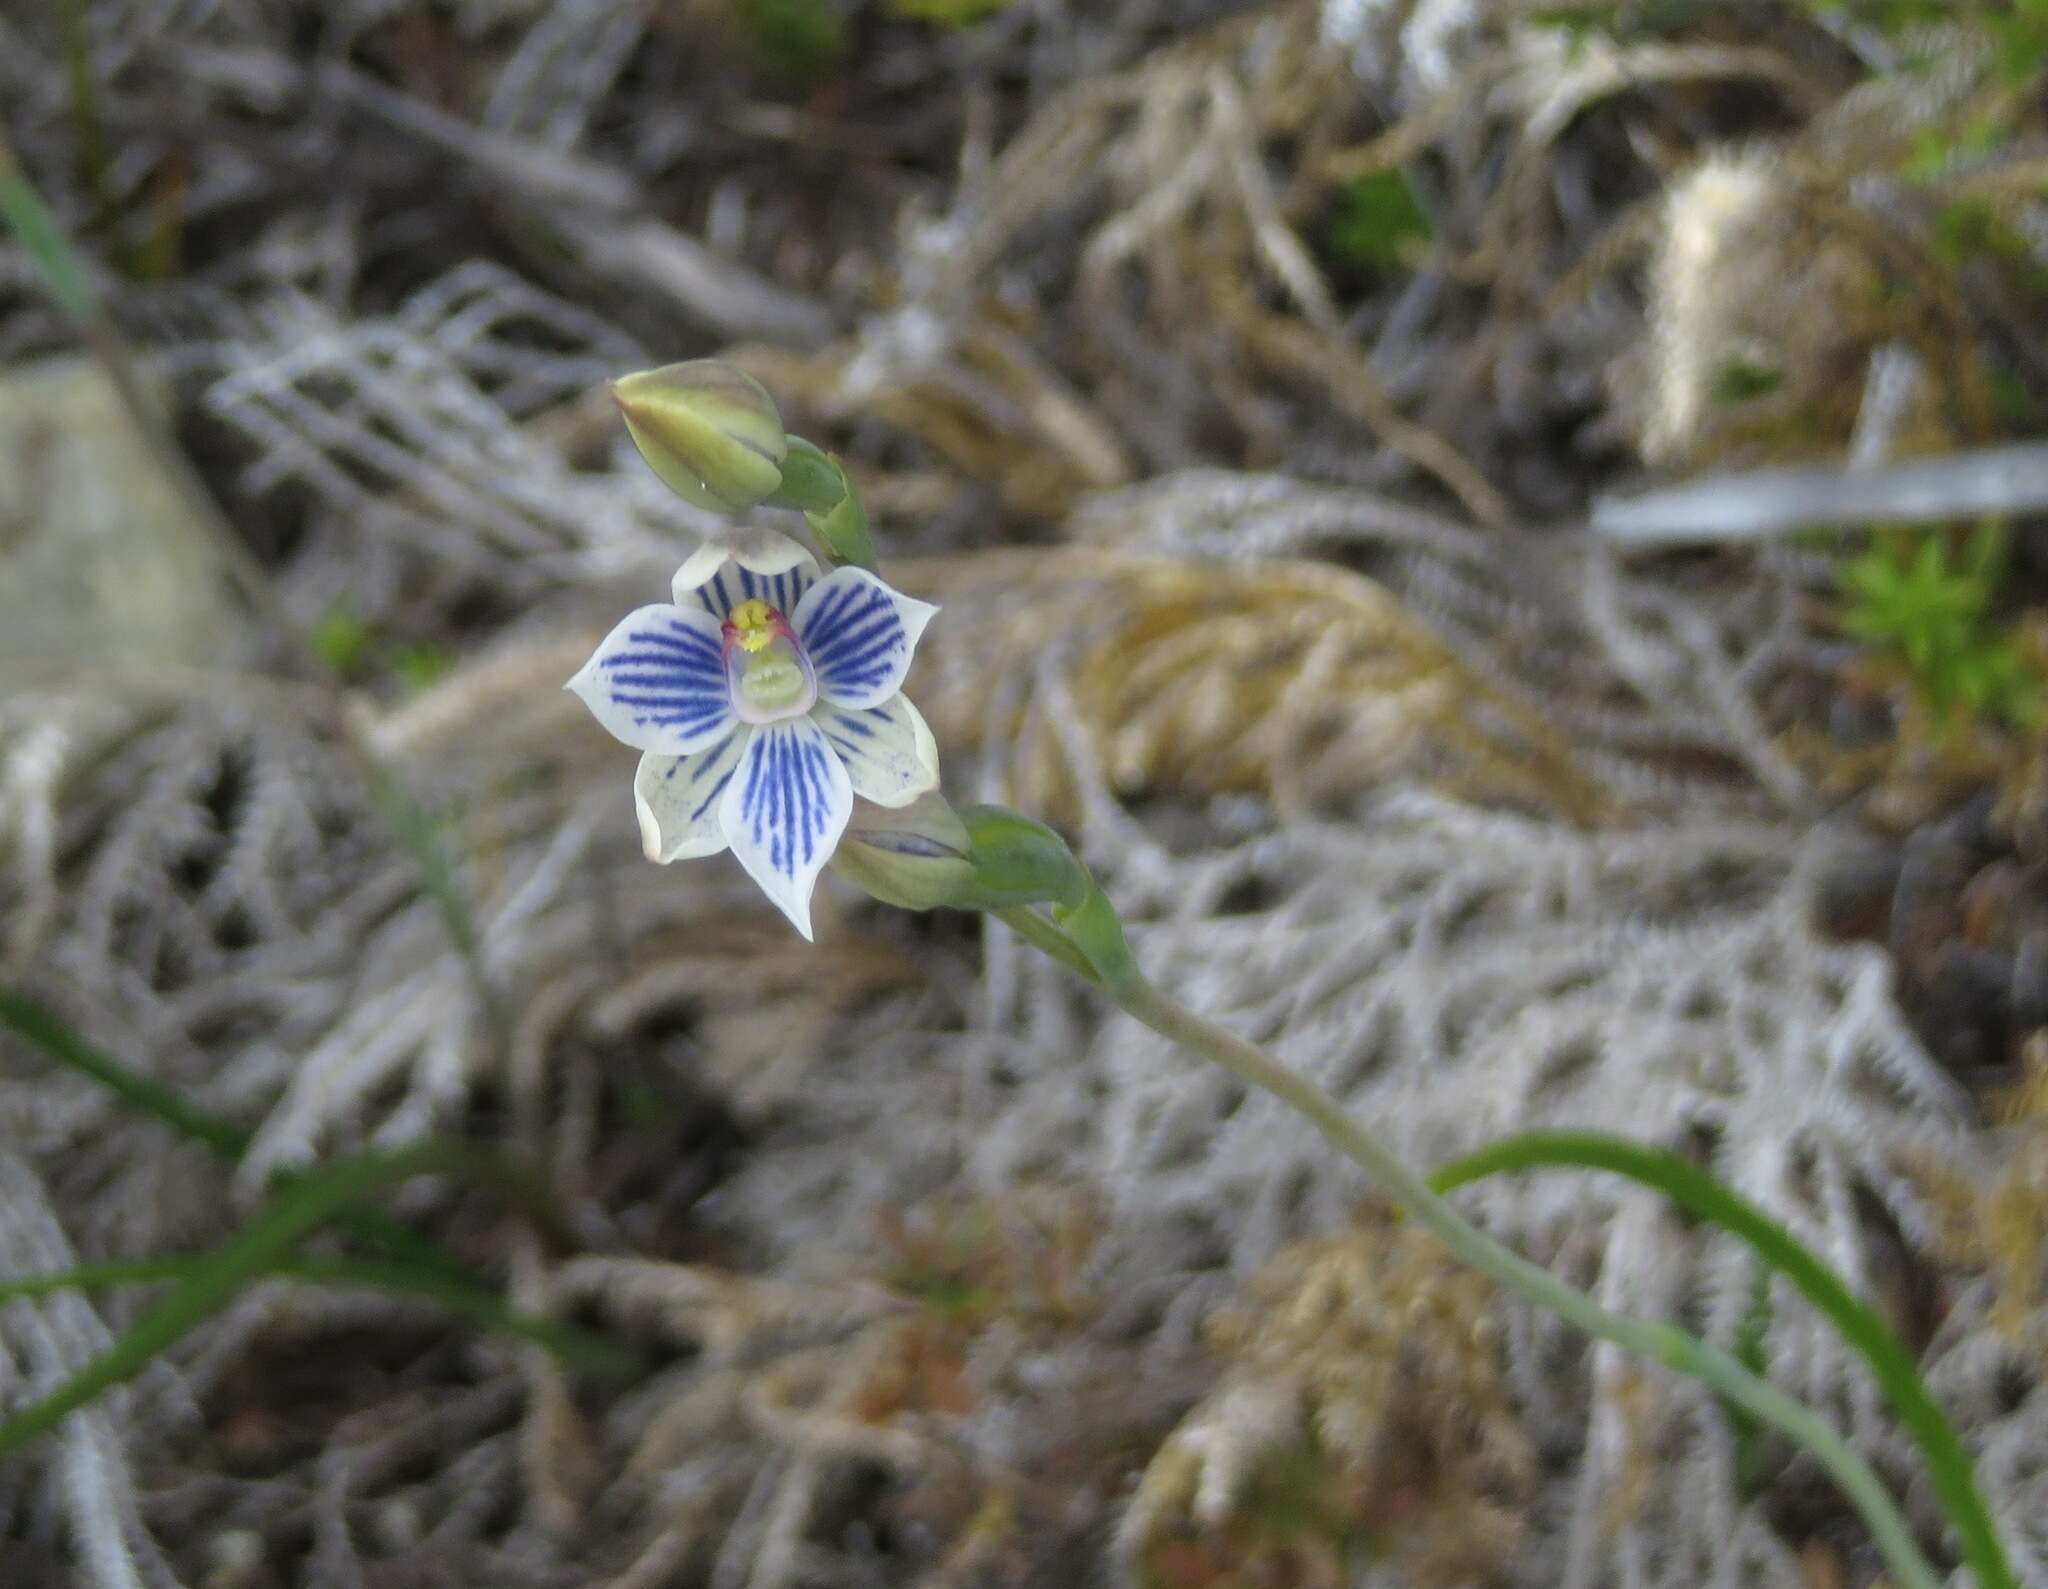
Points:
[(765, 698)]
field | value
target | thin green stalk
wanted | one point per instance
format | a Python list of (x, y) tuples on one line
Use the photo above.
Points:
[(1751, 1334), (31, 222), (227, 1140), (97, 1277), (24, 212), (265, 1243), (1662, 1343), (75, 39), (579, 1349), (1042, 935), (139, 1092), (1697, 1192)]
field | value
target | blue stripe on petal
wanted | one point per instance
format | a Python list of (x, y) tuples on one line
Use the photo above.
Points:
[(785, 811), (858, 635), (677, 799), (658, 681), (825, 624), (686, 641), (711, 798), (887, 750), (740, 574)]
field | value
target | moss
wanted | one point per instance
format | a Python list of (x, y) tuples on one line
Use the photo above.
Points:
[(1377, 223), (1364, 1412)]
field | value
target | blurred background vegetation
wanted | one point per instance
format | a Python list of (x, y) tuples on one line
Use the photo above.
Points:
[(1508, 533)]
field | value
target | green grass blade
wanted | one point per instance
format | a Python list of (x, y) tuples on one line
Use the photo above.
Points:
[(97, 1277), (61, 1043), (139, 1092), (1699, 1194), (578, 1349), (266, 1244), (22, 208)]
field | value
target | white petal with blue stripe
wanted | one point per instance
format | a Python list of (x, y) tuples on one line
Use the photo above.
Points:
[(658, 682), (677, 799), (889, 752), (784, 811), (748, 564), (859, 635)]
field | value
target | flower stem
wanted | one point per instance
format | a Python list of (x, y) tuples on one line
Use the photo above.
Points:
[(1662, 1343), (1699, 1194)]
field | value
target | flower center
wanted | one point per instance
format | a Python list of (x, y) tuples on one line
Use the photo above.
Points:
[(753, 625), (770, 675)]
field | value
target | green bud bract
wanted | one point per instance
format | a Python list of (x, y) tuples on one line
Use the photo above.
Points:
[(811, 479), (1020, 862), (927, 855), (710, 431), (914, 857), (843, 532), (1093, 927)]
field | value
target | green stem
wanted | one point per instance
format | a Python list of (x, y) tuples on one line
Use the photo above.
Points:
[(227, 1140), (579, 1349), (1041, 934), (97, 1277), (1662, 1343), (22, 208), (139, 1092), (1696, 1191), (211, 1280), (75, 40)]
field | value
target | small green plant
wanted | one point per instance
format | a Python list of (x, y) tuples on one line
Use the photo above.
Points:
[(1621, 19), (420, 667), (351, 648), (342, 639), (799, 39), (1377, 225), (946, 13), (1744, 380), (1930, 604), (2016, 29), (2022, 37), (1972, 229)]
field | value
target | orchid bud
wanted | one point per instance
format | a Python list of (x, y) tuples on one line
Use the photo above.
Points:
[(914, 856), (710, 431)]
